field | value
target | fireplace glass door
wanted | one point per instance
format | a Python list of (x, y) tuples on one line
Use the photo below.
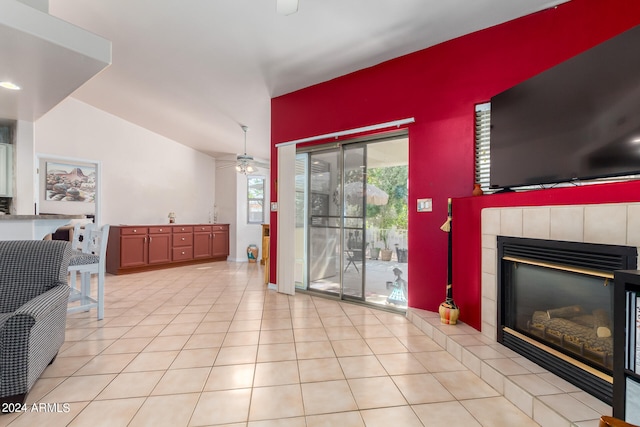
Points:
[(566, 310), (556, 306)]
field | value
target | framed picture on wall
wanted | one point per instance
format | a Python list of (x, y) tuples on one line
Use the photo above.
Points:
[(66, 182)]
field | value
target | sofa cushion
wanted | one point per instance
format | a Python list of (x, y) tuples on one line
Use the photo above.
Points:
[(30, 268)]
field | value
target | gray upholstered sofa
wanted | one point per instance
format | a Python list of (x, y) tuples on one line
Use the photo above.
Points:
[(33, 309)]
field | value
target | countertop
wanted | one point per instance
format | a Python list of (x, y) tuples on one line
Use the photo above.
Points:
[(37, 217)]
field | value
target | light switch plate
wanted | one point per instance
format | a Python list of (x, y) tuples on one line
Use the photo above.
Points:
[(424, 205)]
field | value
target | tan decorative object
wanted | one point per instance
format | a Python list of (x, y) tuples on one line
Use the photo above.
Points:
[(601, 323), (449, 312), (252, 253), (565, 312), (385, 254), (265, 244)]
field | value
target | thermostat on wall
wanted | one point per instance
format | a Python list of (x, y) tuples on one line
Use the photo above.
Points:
[(274, 206)]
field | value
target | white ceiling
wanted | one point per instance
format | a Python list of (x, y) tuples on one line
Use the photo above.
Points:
[(47, 57), (194, 70)]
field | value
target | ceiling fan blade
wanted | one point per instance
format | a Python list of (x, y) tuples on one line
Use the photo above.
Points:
[(225, 165), (261, 164), (286, 7)]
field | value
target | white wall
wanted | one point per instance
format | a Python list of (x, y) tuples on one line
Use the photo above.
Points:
[(144, 175), (226, 201), (231, 201)]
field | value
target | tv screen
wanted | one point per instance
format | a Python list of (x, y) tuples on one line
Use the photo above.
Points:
[(577, 120)]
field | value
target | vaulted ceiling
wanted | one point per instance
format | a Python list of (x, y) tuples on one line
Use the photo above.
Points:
[(194, 70)]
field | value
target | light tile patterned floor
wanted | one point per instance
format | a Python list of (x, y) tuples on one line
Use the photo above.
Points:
[(210, 345)]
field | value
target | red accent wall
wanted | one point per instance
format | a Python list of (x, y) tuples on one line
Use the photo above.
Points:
[(440, 86)]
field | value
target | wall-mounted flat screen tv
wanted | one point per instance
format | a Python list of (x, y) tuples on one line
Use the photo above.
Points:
[(578, 120)]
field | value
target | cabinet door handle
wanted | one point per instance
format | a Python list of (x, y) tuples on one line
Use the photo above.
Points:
[(161, 229), (182, 252), (135, 231), (150, 238), (209, 235), (183, 239), (145, 239)]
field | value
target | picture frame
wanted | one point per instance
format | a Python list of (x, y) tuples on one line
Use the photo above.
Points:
[(70, 182)]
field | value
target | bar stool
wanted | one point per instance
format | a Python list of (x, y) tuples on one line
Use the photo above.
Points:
[(89, 261)]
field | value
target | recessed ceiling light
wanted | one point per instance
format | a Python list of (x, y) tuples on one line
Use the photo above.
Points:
[(9, 85), (286, 7)]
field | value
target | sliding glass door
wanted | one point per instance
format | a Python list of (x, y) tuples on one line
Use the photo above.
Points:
[(354, 224), (324, 224), (386, 222), (351, 226), (302, 195)]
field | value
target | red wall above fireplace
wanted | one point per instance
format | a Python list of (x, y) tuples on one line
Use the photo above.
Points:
[(439, 86)]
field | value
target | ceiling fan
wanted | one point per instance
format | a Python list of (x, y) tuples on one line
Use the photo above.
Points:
[(245, 163), (286, 7)]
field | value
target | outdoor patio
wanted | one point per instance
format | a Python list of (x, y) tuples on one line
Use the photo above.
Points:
[(377, 274)]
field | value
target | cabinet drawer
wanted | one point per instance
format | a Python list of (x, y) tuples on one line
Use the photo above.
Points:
[(128, 231), (182, 239), (181, 229), (159, 230), (219, 227), (183, 253), (200, 228)]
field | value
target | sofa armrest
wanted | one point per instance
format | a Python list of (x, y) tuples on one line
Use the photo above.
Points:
[(29, 338), (40, 306)]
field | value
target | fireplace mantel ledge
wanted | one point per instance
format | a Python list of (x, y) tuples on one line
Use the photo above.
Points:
[(544, 397)]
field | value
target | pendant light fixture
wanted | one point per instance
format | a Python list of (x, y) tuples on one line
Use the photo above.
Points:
[(244, 160)]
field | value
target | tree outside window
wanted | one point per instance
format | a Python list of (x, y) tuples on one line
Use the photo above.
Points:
[(255, 199)]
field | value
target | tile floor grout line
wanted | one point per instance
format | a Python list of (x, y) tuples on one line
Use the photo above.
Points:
[(245, 296)]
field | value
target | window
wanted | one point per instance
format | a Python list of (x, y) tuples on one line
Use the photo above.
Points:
[(482, 137), (255, 199)]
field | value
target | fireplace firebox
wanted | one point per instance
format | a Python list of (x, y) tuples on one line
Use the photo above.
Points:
[(556, 306)]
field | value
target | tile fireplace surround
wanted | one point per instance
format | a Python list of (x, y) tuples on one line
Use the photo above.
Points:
[(546, 398)]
